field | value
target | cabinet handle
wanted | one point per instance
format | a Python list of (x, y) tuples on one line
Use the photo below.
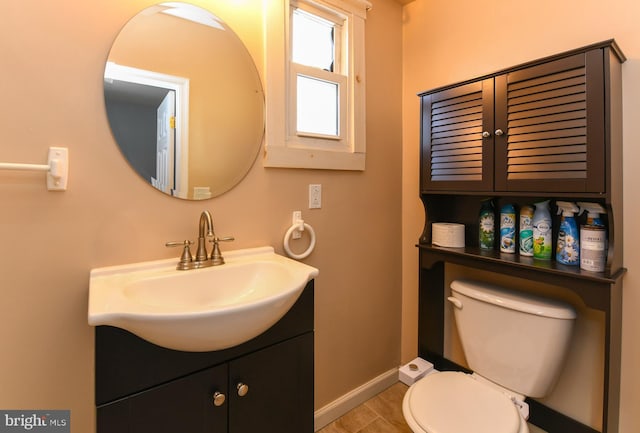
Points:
[(486, 134), (218, 398), (499, 132), (242, 388)]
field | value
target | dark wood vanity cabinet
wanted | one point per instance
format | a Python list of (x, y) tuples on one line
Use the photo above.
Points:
[(547, 129), (185, 404), (541, 126), (265, 384)]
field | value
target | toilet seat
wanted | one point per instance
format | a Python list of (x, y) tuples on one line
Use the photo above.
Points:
[(454, 402)]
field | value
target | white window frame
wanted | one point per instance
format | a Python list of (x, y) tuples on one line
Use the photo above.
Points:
[(319, 141), (286, 148)]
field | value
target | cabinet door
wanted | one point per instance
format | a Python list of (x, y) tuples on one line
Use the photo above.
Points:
[(553, 117), (457, 138), (280, 389), (183, 405)]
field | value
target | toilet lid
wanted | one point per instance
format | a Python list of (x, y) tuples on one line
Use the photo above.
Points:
[(453, 402)]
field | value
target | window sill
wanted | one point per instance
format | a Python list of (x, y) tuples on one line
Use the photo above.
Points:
[(282, 157)]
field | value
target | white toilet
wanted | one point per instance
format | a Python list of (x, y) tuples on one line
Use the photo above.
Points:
[(514, 342)]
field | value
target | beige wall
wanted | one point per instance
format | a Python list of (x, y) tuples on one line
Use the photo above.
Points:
[(446, 42), (53, 55)]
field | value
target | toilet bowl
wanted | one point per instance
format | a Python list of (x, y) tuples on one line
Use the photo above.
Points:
[(455, 402)]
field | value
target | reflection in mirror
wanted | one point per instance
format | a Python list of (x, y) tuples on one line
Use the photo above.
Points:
[(184, 101)]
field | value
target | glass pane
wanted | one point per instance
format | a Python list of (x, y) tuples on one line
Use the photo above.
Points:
[(312, 41), (317, 106)]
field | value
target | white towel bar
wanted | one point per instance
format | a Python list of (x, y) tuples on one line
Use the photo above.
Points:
[(57, 168), (26, 167)]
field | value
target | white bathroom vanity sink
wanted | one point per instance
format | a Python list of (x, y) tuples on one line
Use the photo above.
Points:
[(200, 309)]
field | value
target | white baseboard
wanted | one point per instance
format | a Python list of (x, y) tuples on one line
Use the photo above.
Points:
[(334, 410)]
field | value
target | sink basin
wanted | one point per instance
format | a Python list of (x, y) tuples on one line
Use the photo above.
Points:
[(201, 309)]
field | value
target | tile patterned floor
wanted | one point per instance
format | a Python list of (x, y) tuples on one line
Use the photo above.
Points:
[(381, 414)]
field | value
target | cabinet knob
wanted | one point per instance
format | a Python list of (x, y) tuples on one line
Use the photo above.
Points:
[(499, 132), (486, 134), (218, 398), (242, 388)]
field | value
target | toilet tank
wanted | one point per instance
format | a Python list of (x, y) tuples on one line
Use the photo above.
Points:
[(514, 339)]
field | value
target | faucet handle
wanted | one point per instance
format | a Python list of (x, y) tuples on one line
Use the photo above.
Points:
[(214, 240), (185, 258), (178, 243), (216, 255), (225, 239)]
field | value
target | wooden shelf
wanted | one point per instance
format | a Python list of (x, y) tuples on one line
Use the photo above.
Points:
[(592, 287), (523, 262)]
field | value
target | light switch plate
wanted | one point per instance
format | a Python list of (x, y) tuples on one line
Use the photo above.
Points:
[(315, 196)]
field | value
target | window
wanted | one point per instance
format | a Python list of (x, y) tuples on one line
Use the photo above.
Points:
[(315, 84), (318, 84)]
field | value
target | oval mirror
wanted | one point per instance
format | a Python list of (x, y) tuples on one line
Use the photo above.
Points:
[(184, 101)]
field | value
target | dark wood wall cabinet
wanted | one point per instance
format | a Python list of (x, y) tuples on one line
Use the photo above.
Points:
[(265, 384), (547, 129)]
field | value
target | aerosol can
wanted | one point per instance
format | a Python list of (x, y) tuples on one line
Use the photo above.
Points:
[(486, 225), (526, 230), (508, 229), (542, 236), (593, 238)]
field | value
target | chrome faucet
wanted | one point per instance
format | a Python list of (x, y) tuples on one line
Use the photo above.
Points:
[(202, 259)]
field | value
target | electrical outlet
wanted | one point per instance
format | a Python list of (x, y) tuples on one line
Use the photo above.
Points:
[(315, 196)]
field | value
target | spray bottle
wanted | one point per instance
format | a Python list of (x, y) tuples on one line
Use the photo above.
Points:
[(568, 247), (594, 210), (542, 236)]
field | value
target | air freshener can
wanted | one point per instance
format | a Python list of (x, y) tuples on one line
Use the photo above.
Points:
[(593, 248), (508, 229), (526, 231), (542, 231), (486, 226)]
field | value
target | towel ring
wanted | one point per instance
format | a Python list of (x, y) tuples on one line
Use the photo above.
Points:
[(287, 238)]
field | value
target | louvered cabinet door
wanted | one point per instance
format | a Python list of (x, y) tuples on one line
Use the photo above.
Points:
[(455, 154), (554, 126)]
